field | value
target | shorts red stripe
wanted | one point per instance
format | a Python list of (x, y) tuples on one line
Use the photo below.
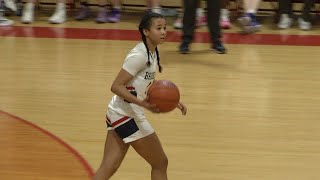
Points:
[(130, 88), (120, 121), (108, 121)]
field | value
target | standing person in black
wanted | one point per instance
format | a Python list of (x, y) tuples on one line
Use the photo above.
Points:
[(213, 18)]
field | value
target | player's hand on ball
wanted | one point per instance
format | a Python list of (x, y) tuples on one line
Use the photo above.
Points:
[(182, 108), (151, 107)]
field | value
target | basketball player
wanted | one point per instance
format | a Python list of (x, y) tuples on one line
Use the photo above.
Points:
[(126, 122)]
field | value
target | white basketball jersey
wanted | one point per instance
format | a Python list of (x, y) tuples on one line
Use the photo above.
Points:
[(136, 63)]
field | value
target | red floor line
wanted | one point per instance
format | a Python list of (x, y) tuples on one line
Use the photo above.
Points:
[(60, 141), (173, 36)]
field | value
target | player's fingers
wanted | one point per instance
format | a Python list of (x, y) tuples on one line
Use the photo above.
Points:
[(154, 108), (184, 110)]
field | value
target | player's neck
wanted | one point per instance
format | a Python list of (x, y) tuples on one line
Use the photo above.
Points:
[(151, 46)]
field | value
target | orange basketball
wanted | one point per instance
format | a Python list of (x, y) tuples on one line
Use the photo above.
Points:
[(165, 94)]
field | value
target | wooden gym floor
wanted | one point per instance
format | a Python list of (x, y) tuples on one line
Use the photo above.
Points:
[(253, 113)]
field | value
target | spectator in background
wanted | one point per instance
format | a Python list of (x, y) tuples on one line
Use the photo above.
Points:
[(6, 4), (189, 17), (248, 22), (154, 6), (103, 15), (201, 19), (114, 15), (286, 19), (58, 17), (224, 15)]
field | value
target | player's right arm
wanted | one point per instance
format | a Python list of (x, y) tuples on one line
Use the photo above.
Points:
[(119, 88)]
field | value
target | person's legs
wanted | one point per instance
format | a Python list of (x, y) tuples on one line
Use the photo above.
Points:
[(213, 12), (10, 4), (178, 22), (28, 12), (4, 21), (285, 6), (201, 19), (248, 22), (154, 6), (189, 19), (84, 11), (306, 9), (224, 17), (102, 16), (115, 12), (224, 4), (151, 150), (305, 19), (285, 12), (114, 152), (251, 6), (59, 15)]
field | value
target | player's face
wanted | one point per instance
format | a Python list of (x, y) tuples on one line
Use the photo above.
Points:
[(158, 31)]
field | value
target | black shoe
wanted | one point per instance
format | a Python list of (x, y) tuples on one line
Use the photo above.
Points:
[(184, 48), (218, 47)]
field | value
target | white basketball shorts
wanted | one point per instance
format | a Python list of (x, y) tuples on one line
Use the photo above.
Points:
[(128, 128)]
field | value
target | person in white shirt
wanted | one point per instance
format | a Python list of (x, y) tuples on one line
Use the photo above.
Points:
[(126, 122)]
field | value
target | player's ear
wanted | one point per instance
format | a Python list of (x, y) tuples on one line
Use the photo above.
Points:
[(146, 32)]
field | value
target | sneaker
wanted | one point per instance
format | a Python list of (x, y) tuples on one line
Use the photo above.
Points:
[(102, 16), (28, 13), (244, 21), (218, 47), (285, 21), (115, 16), (224, 18), (225, 24), (58, 17), (249, 23), (83, 14), (184, 48), (5, 22), (304, 25), (253, 27), (201, 20), (178, 23), (10, 4)]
